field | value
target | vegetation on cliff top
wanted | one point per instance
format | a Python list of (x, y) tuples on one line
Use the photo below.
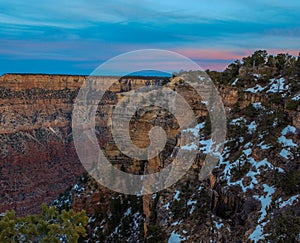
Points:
[(260, 62)]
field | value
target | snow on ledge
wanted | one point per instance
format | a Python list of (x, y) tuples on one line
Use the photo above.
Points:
[(255, 89), (175, 238)]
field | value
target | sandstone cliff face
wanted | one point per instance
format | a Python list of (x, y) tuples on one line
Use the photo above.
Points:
[(295, 117), (38, 160), (22, 82)]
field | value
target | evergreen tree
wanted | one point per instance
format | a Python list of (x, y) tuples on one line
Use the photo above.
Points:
[(49, 226), (297, 65)]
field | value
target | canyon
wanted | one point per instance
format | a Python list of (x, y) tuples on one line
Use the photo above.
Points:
[(39, 163), (38, 157)]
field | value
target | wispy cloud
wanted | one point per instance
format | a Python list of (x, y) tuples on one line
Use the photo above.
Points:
[(213, 33)]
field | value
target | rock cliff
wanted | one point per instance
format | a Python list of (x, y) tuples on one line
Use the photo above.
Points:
[(38, 157)]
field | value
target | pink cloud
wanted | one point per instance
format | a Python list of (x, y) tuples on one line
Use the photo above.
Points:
[(215, 66), (213, 54), (219, 54), (218, 59)]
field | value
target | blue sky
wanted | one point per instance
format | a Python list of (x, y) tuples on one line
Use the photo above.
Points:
[(74, 37)]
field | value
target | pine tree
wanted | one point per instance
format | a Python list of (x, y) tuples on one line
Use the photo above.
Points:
[(297, 64), (49, 226)]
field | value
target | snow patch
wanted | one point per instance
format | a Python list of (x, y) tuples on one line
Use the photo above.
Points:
[(257, 234), (263, 146), (285, 153), (206, 145), (257, 105), (277, 86), (218, 225), (77, 188), (286, 142), (238, 121), (255, 89), (296, 97), (175, 238), (252, 127), (176, 196), (247, 152), (128, 212), (265, 200), (290, 201), (235, 82), (192, 203), (189, 147), (288, 129), (195, 130)]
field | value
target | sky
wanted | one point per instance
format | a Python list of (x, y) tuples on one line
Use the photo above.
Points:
[(75, 37)]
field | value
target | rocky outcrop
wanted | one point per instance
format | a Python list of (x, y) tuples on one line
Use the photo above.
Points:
[(295, 117)]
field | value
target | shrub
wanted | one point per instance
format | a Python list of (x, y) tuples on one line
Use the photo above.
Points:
[(292, 104)]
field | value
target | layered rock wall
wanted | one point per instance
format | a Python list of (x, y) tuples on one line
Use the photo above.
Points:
[(38, 160)]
